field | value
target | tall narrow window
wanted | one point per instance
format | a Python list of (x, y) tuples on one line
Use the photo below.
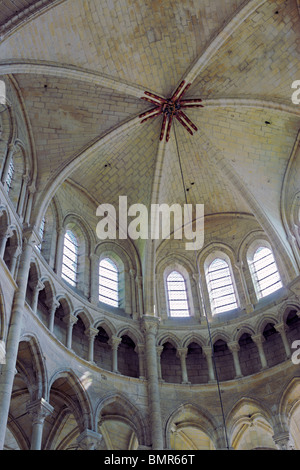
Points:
[(70, 258), (220, 287), (108, 282), (265, 273), (10, 174), (177, 295), (41, 233)]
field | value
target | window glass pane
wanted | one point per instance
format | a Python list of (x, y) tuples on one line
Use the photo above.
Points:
[(108, 283), (265, 271), (220, 287), (42, 229), (70, 258), (10, 174), (177, 295)]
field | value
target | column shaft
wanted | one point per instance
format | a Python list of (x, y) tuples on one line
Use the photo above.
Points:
[(150, 326), (13, 338)]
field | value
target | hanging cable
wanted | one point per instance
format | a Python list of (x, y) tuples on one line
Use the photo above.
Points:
[(207, 321)]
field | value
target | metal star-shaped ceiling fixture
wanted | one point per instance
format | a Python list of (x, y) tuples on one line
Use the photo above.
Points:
[(171, 108)]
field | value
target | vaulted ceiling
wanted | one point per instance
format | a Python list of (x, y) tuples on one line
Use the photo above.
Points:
[(82, 67)]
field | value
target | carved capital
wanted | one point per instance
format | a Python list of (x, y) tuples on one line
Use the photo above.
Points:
[(233, 346), (258, 339), (39, 410), (91, 332), (150, 324), (70, 319), (182, 352), (89, 440), (114, 342)]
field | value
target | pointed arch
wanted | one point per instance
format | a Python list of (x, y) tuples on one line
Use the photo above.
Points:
[(248, 414), (107, 326), (127, 409), (193, 338), (39, 389), (290, 397), (71, 387), (189, 414), (133, 334), (168, 338), (84, 315)]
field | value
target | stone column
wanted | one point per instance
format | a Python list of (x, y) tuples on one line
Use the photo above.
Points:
[(15, 253), (140, 305), (140, 350), (150, 326), (4, 237), (22, 197), (207, 351), (205, 297), (94, 279), (14, 331), (89, 440), (59, 250), (91, 333), (39, 410), (281, 328), (38, 287), (53, 305), (182, 353), (134, 309), (234, 347), (159, 350), (70, 321), (259, 340), (114, 342), (240, 268), (196, 277), (31, 190)]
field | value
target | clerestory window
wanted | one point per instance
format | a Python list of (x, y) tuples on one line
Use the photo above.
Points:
[(41, 233), (264, 272), (108, 282), (220, 287), (177, 295), (70, 258), (10, 174)]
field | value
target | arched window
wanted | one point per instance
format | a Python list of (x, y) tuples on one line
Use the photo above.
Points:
[(264, 271), (108, 282), (70, 258), (177, 295), (10, 175), (220, 287)]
